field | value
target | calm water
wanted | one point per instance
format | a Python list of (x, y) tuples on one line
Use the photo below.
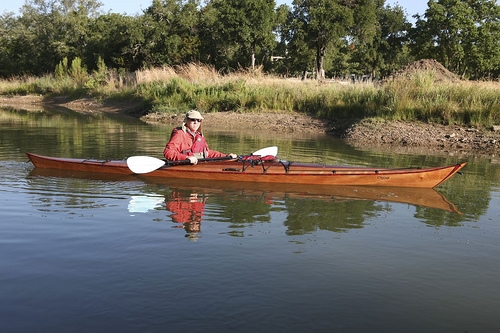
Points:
[(93, 253)]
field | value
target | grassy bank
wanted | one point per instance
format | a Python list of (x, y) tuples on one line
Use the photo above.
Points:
[(416, 97)]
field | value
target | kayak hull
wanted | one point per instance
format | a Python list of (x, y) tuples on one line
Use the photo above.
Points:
[(272, 172)]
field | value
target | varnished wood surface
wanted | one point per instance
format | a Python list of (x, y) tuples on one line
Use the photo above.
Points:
[(275, 172)]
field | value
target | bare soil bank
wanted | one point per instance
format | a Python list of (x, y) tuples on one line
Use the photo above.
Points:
[(404, 137), (395, 136)]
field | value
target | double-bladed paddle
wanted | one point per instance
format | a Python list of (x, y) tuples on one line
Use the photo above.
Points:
[(146, 164)]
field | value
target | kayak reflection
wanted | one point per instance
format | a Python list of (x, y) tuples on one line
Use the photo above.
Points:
[(302, 208), (421, 197)]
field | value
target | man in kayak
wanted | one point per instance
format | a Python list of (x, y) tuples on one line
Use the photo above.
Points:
[(188, 143)]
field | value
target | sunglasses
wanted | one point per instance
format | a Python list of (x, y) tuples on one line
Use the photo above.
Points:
[(195, 120)]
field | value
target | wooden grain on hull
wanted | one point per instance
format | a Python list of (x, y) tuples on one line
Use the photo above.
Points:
[(274, 172)]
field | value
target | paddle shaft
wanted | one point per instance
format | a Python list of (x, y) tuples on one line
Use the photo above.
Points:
[(185, 162), (145, 164), (264, 151)]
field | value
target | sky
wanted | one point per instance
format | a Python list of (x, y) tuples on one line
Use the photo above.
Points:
[(129, 7)]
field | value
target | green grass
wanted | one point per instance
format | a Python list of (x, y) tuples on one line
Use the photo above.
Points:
[(418, 97)]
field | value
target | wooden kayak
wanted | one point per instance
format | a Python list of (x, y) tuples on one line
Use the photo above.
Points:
[(275, 171)]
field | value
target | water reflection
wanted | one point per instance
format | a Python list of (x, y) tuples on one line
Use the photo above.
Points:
[(305, 208), (302, 209), (421, 197), (68, 236), (144, 203), (187, 211)]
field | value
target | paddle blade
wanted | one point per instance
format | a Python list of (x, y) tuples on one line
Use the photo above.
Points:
[(144, 164), (273, 151)]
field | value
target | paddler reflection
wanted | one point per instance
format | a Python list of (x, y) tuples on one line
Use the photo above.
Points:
[(187, 210)]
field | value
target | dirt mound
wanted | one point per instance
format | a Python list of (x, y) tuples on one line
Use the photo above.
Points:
[(441, 74)]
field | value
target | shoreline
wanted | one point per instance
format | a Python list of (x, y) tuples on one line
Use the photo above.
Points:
[(394, 136)]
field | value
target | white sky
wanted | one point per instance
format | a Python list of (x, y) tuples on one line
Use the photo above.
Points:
[(412, 7)]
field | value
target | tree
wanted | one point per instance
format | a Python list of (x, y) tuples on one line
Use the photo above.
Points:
[(241, 29), (14, 43), (170, 32), (210, 53), (362, 35), (299, 55), (117, 40), (464, 35), (46, 32), (392, 42), (279, 59), (323, 23), (44, 45), (379, 44)]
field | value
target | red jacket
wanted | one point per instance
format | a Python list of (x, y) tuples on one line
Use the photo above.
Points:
[(183, 143)]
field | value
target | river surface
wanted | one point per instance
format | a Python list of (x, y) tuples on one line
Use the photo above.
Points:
[(94, 253)]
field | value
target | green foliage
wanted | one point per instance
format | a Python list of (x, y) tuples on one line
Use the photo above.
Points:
[(385, 50), (312, 36), (61, 68), (236, 33), (99, 76), (102, 70), (362, 37), (118, 40), (294, 40), (78, 72), (46, 32), (319, 25), (462, 35), (176, 93), (169, 29)]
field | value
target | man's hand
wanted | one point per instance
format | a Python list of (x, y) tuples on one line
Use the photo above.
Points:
[(193, 159)]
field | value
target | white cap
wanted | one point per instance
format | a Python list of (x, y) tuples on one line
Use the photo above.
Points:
[(193, 114)]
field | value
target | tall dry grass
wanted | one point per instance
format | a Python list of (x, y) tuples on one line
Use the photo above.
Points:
[(422, 97)]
